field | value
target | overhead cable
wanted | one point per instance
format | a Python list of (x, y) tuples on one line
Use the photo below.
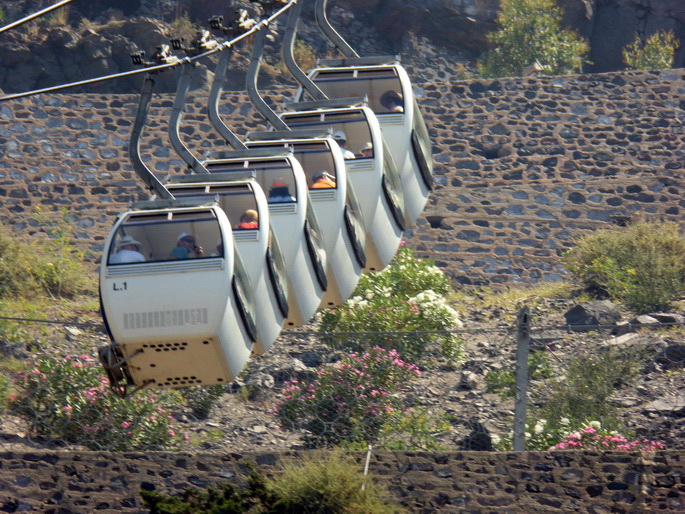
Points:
[(227, 44), (34, 15)]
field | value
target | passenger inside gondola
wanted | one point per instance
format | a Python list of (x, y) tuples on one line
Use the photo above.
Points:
[(280, 192), (367, 150), (323, 180), (128, 250), (341, 138), (186, 247), (248, 221), (392, 101), (219, 249)]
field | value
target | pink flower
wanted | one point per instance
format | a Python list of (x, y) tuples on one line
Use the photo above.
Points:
[(125, 424)]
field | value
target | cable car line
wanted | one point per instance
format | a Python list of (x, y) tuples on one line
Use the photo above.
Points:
[(54, 322), (332, 200), (178, 315), (260, 251), (34, 15), (205, 336)]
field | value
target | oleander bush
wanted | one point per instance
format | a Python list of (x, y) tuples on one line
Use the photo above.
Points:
[(68, 399), (404, 307), (576, 435), (641, 265), (350, 401)]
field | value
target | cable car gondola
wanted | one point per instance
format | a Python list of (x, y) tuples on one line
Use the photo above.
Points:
[(292, 217), (384, 82), (333, 200), (305, 255), (386, 86), (177, 316), (373, 175), (255, 243)]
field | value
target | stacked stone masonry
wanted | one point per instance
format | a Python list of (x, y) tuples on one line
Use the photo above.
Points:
[(523, 166), (473, 482)]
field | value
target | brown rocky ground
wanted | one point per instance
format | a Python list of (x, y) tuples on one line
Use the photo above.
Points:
[(652, 405)]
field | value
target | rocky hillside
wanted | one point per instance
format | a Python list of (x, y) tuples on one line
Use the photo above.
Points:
[(428, 34), (648, 400)]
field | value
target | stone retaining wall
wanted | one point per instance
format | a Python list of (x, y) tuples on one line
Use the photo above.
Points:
[(474, 482), (523, 165)]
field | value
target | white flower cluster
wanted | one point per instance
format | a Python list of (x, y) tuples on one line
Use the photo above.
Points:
[(436, 306), (378, 292), (357, 301)]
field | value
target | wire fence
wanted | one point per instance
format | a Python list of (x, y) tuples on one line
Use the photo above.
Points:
[(511, 386)]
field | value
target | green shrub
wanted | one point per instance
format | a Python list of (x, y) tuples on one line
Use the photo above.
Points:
[(584, 389), (503, 381), (319, 483), (201, 399), (402, 307), (16, 261), (53, 266), (12, 333), (59, 266), (530, 33), (224, 499), (68, 399), (5, 390), (331, 483), (59, 17), (656, 53), (349, 401), (184, 28), (642, 265), (304, 56), (414, 429)]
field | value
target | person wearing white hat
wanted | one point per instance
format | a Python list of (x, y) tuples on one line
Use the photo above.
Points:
[(186, 247), (128, 250), (367, 150), (341, 138)]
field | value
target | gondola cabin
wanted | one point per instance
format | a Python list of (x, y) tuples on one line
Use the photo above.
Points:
[(294, 222), (246, 207), (178, 314), (334, 203), (370, 168), (386, 85)]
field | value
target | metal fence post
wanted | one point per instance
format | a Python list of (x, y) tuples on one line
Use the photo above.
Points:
[(522, 351)]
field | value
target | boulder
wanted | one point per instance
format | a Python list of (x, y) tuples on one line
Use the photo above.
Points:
[(591, 315)]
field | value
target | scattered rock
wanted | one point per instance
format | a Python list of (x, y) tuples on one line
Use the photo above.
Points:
[(588, 316)]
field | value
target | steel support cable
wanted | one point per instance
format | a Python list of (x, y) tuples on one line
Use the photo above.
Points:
[(98, 326), (226, 44), (500, 328), (34, 15)]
